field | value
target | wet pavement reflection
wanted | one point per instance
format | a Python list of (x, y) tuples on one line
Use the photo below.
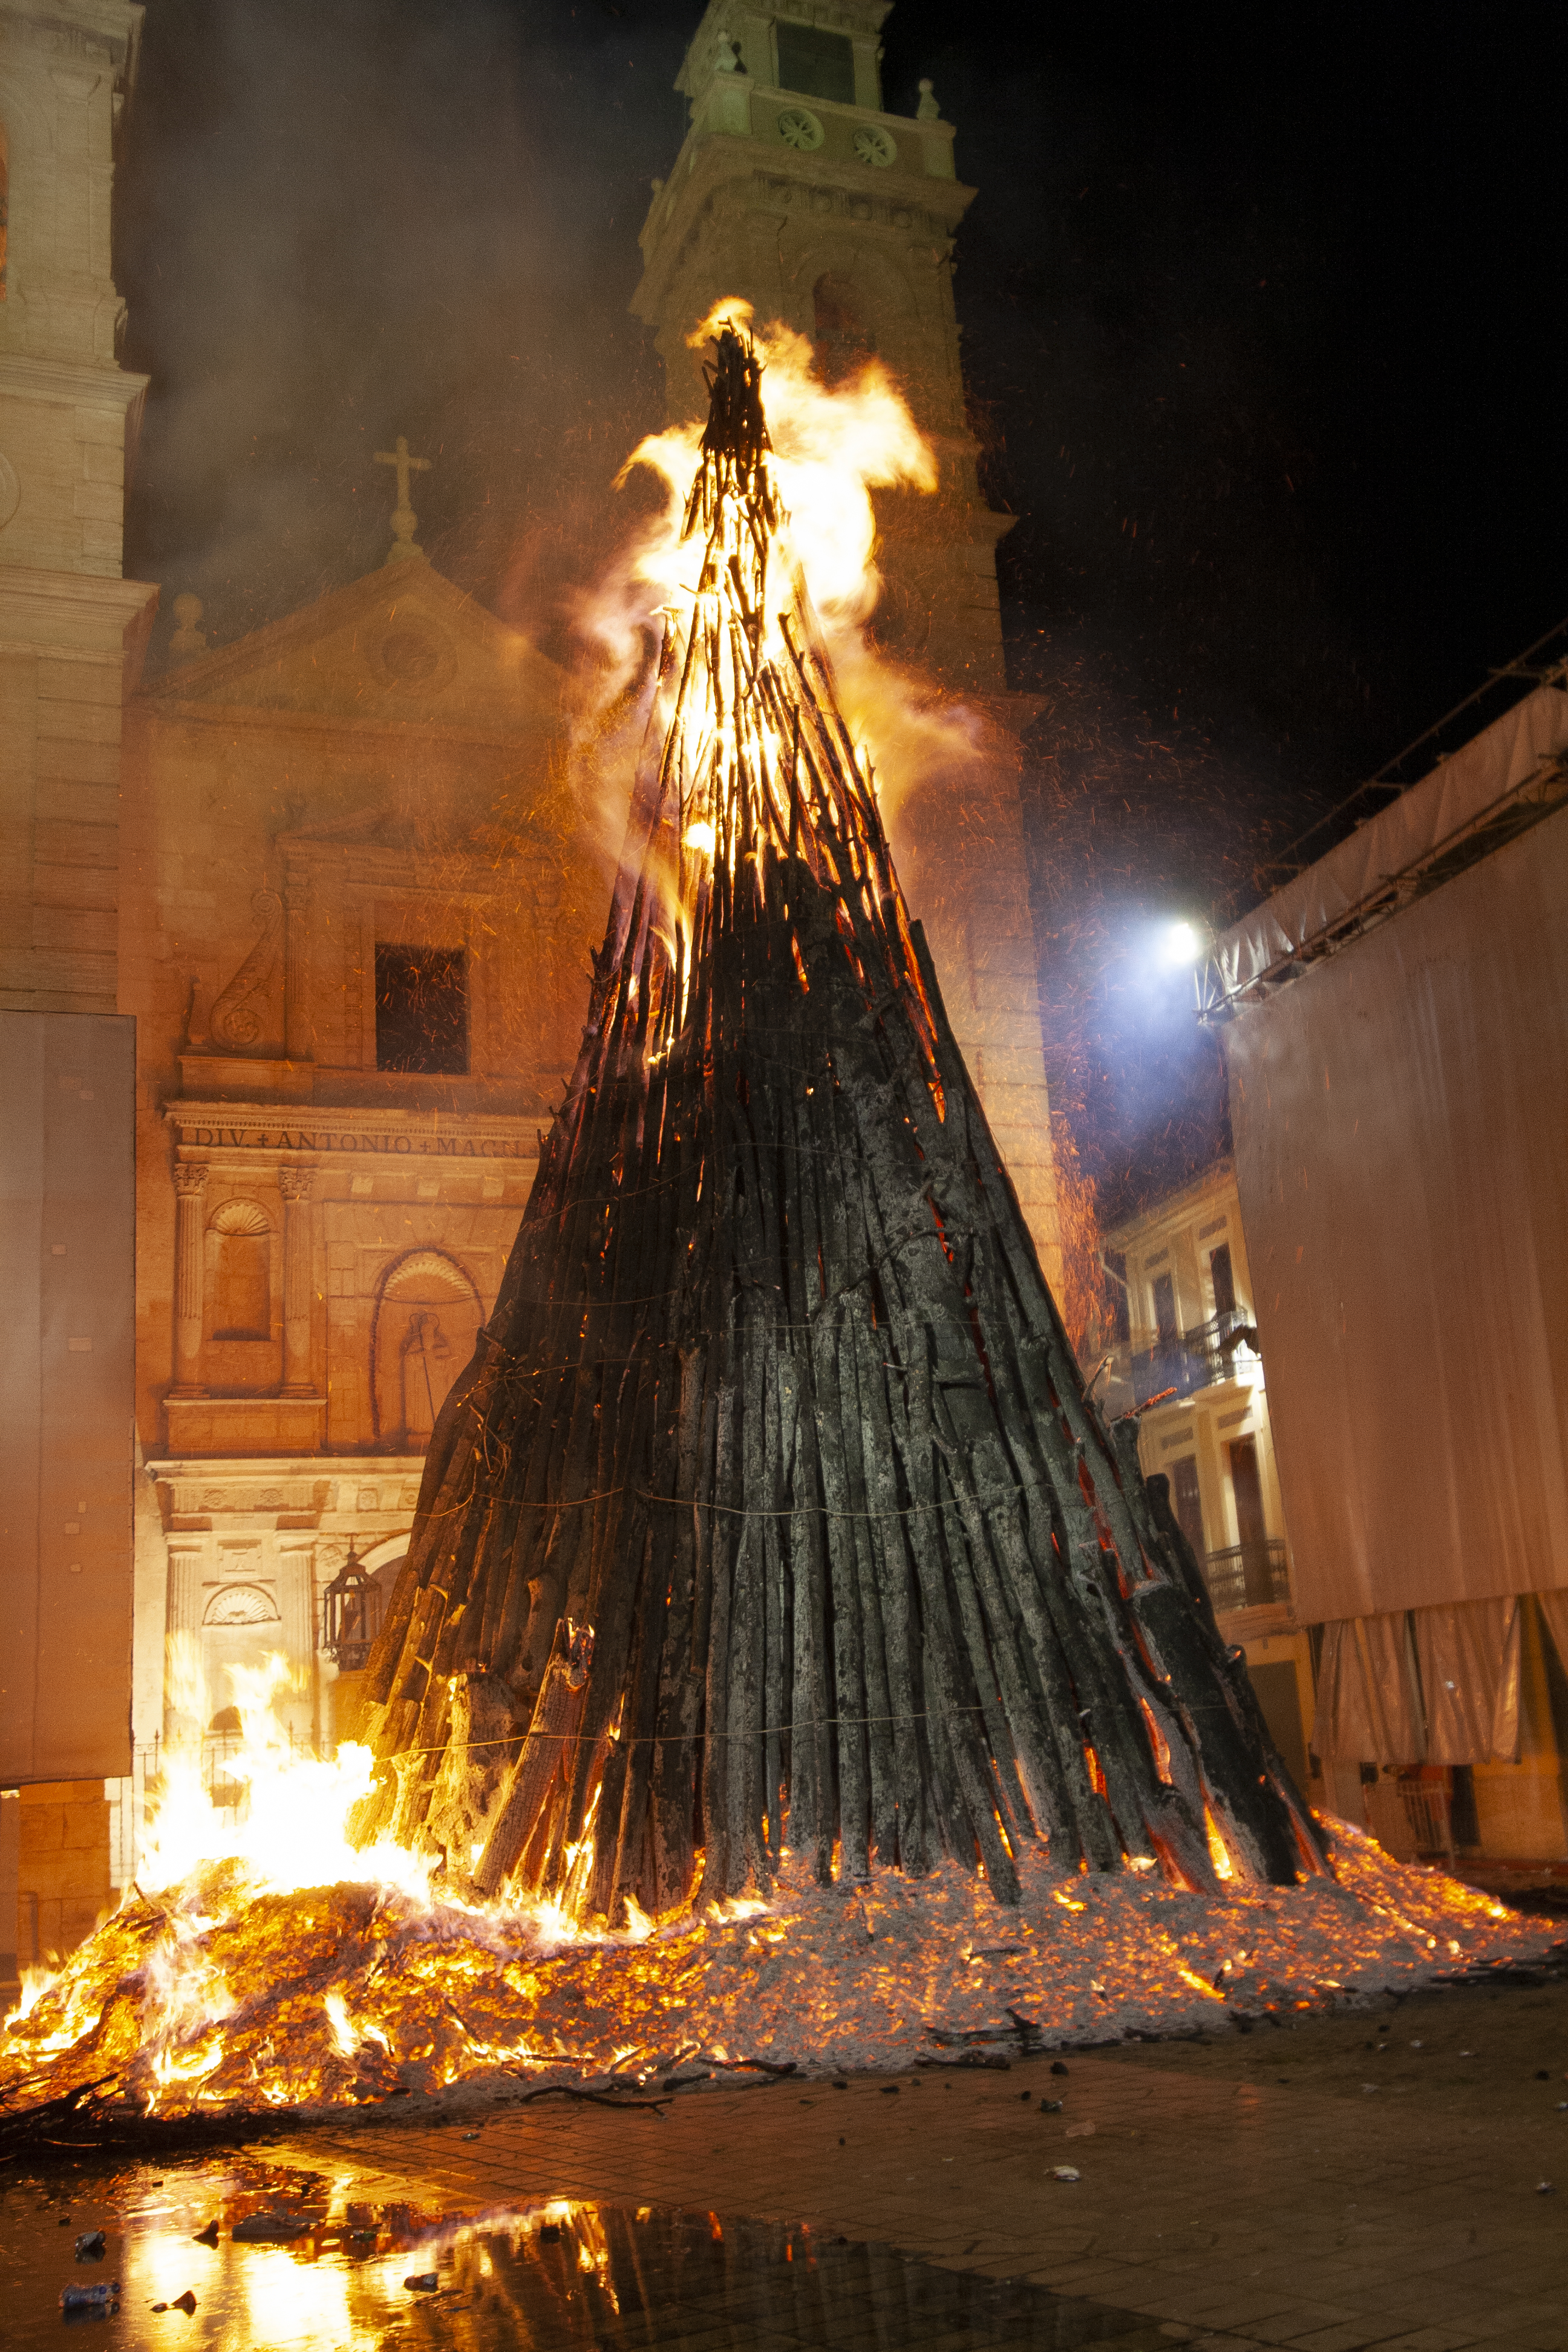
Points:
[(244, 2256)]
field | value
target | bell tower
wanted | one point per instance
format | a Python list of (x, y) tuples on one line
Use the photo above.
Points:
[(797, 190)]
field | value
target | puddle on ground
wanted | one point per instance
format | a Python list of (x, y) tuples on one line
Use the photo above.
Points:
[(304, 2261)]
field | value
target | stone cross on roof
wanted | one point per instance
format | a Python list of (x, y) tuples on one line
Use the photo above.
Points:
[(403, 518)]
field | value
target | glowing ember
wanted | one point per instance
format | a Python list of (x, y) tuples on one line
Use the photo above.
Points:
[(238, 1989)]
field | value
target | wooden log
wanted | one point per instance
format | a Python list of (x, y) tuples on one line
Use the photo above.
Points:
[(775, 1417)]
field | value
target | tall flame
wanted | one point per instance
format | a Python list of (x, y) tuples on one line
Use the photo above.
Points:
[(832, 446)]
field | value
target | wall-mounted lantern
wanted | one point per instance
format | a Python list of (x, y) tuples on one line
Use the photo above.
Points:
[(351, 1615)]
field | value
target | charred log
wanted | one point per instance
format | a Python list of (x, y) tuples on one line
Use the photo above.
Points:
[(774, 1498)]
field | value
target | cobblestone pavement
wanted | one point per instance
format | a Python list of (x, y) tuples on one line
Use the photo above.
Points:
[(1347, 2182), (1397, 2179)]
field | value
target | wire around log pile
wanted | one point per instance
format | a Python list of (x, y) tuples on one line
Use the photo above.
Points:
[(775, 1410)]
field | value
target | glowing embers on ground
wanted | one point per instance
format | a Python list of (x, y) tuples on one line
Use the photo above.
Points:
[(223, 1995)]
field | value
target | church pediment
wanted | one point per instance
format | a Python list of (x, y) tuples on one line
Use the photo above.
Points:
[(401, 647)]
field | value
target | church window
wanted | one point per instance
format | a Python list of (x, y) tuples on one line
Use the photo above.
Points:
[(242, 1300), (817, 64), (421, 1010), (844, 340)]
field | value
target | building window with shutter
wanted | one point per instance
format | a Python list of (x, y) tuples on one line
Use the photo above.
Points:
[(1186, 1503), (1114, 1291), (1223, 1280)]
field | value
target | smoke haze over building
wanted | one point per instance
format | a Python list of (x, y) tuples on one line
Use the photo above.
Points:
[(1256, 339)]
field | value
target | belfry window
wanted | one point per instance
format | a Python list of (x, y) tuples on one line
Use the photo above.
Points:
[(421, 1010), (844, 340), (816, 64)]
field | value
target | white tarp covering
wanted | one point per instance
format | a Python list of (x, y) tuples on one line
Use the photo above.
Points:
[(1369, 1709), (1400, 1116), (1495, 763), (1452, 1699)]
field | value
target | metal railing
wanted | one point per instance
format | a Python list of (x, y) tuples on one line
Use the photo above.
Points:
[(1199, 1359), (1248, 1575), (219, 1749), (1428, 1813)]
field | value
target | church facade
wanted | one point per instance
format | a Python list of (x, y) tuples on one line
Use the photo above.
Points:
[(333, 873), (355, 926)]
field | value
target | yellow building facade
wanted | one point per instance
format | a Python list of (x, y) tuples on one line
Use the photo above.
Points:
[(1181, 1349)]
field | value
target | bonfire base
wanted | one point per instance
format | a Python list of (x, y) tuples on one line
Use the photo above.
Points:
[(358, 1997)]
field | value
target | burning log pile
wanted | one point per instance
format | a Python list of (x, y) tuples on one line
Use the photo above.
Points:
[(773, 1501), (790, 1666)]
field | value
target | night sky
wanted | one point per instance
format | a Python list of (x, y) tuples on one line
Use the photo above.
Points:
[(1263, 321)]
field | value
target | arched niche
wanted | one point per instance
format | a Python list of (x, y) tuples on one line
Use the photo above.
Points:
[(384, 1565), (239, 1274), (241, 1604), (427, 1320)]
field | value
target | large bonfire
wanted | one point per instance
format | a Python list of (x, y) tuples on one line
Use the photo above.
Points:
[(790, 1666)]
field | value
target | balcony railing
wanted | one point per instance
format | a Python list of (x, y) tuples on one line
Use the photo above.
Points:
[(1198, 1359), (1249, 1575)]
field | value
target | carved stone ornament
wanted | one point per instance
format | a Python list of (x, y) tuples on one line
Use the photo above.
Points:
[(800, 130), (236, 1021), (874, 146)]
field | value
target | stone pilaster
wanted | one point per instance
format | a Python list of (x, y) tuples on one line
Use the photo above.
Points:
[(295, 1186), (297, 1038), (190, 1247)]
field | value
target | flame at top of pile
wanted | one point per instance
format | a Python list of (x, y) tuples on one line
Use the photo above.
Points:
[(753, 758)]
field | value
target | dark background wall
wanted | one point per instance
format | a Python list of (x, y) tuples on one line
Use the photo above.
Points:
[(1263, 324)]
